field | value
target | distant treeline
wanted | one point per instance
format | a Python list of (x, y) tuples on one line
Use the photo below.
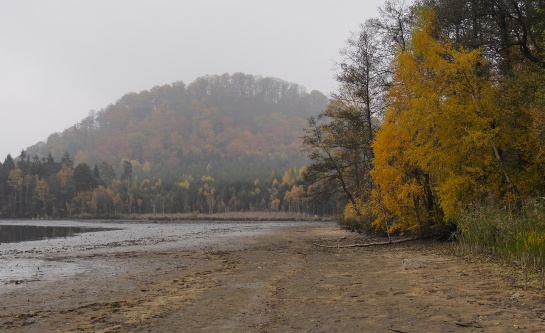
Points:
[(45, 188)]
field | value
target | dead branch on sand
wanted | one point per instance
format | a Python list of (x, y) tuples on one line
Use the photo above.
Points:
[(368, 244)]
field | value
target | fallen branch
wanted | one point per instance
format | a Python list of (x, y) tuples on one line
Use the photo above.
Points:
[(469, 324), (367, 244)]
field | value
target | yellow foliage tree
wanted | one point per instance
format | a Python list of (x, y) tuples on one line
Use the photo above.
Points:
[(437, 152), (400, 186)]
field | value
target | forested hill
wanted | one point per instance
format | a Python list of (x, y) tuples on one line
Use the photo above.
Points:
[(220, 144), (177, 129)]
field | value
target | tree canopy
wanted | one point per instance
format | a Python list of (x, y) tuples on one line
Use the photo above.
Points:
[(455, 119)]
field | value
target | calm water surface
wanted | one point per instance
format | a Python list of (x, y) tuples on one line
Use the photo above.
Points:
[(23, 233)]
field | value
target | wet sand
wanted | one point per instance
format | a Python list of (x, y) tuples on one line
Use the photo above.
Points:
[(273, 281)]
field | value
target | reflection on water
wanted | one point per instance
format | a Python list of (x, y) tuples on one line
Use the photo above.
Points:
[(23, 233)]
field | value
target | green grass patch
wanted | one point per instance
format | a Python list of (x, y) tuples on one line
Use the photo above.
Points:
[(515, 235)]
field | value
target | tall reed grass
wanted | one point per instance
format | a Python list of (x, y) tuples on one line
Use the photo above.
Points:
[(515, 235)]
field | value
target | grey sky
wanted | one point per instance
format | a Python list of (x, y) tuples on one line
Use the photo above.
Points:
[(59, 59)]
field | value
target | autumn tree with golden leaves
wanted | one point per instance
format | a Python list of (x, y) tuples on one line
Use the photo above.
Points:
[(447, 141)]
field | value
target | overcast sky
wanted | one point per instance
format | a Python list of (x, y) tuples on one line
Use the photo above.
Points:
[(59, 59)]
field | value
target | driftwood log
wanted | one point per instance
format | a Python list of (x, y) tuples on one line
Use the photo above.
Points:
[(368, 244)]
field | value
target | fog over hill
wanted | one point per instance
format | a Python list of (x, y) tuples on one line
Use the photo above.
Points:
[(177, 128), (62, 58)]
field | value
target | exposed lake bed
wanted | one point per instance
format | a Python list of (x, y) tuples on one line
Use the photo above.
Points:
[(54, 257), (254, 277)]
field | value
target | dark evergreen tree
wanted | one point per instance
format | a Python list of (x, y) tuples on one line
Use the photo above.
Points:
[(83, 178), (96, 172), (107, 173), (67, 160), (51, 166), (127, 172)]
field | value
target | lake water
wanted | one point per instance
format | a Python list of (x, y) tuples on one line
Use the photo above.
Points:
[(24, 233), (58, 254)]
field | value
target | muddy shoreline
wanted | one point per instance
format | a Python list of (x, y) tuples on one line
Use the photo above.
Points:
[(275, 281)]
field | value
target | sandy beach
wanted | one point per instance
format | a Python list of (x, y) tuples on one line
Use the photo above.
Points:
[(278, 281)]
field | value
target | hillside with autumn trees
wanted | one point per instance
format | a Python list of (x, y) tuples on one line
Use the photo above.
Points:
[(223, 143)]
